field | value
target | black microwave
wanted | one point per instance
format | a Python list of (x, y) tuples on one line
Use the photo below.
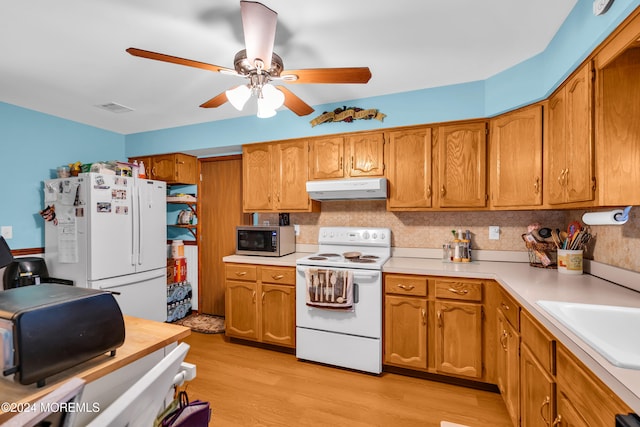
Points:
[(265, 240)]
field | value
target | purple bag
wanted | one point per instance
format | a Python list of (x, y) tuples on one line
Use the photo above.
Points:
[(194, 414)]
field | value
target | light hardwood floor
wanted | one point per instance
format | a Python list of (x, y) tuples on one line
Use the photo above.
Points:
[(250, 386)]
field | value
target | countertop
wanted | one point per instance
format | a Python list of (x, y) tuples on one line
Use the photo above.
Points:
[(142, 337), (527, 285)]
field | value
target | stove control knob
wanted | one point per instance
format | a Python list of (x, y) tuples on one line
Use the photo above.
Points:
[(382, 236), (375, 236), (365, 235)]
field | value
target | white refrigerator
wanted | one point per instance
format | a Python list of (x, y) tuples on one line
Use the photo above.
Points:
[(109, 232)]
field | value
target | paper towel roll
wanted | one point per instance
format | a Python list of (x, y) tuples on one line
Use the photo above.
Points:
[(614, 217)]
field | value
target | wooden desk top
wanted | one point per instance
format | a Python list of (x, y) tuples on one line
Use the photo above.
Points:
[(142, 337)]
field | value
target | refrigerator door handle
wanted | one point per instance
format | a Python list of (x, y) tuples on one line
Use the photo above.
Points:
[(134, 215), (140, 234)]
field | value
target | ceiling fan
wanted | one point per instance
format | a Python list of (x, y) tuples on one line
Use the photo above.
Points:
[(261, 66)]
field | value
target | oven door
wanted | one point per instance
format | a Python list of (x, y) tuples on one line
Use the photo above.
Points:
[(365, 317)]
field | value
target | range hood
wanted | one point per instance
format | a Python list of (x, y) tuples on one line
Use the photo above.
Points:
[(348, 189)]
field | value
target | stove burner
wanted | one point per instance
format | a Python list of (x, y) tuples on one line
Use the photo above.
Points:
[(317, 258), (370, 257), (328, 255), (363, 260)]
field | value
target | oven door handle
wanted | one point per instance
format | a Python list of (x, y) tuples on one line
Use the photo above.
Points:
[(356, 275)]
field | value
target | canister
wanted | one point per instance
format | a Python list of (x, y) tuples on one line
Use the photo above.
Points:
[(177, 249)]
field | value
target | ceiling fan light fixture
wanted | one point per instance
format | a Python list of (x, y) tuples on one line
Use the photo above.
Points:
[(272, 96), (264, 109), (239, 96)]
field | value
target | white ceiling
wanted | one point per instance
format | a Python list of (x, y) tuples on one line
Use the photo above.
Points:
[(64, 57)]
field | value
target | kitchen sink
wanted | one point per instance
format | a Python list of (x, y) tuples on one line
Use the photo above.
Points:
[(612, 331)]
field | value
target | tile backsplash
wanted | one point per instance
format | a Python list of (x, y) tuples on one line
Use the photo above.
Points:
[(613, 245)]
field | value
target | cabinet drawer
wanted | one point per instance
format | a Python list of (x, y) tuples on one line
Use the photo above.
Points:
[(460, 290), (510, 309), (241, 272), (280, 275), (406, 285), (539, 341)]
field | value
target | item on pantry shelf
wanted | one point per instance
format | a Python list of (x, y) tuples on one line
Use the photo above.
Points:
[(177, 249)]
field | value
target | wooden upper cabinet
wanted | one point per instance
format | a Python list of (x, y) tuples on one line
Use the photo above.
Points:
[(175, 168), (326, 160), (569, 155), (515, 159), (290, 176), (365, 154), (357, 155), (618, 130), (408, 156), (274, 177), (462, 165), (257, 177)]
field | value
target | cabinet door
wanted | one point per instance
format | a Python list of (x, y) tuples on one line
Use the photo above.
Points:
[(568, 416), (241, 309), (579, 140), (537, 391), (291, 174), (405, 334), (619, 130), (163, 167), (458, 342), (508, 366), (409, 169), (462, 165), (365, 154), (257, 177), (278, 314), (515, 153), (327, 158), (186, 169), (555, 148)]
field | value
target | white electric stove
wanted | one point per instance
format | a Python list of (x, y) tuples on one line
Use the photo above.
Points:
[(345, 335)]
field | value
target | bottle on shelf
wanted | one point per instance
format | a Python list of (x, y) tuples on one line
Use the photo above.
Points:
[(142, 173)]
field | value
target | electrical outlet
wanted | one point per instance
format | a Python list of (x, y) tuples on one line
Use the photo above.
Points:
[(6, 231), (494, 232), (296, 229)]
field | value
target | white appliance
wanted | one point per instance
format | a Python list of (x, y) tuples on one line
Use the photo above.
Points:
[(347, 337), (109, 233), (348, 189)]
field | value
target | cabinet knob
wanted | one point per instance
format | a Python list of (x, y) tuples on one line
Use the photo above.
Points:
[(241, 273), (557, 421), (406, 287), (277, 276), (459, 291), (424, 317), (503, 339), (253, 297), (429, 191), (504, 306), (536, 185), (439, 315), (443, 191)]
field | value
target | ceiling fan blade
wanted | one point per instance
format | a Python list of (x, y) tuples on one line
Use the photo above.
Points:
[(329, 75), (294, 103), (259, 25), (216, 101), (180, 61)]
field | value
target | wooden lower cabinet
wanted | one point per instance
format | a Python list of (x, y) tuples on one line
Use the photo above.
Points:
[(537, 388), (508, 365), (458, 340), (583, 400), (449, 342), (260, 303), (405, 323), (241, 311)]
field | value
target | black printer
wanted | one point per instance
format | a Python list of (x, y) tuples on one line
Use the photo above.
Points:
[(47, 328)]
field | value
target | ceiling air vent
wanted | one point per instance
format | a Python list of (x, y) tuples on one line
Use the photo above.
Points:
[(114, 107)]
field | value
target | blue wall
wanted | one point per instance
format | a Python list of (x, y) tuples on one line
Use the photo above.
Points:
[(34, 143), (33, 146)]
